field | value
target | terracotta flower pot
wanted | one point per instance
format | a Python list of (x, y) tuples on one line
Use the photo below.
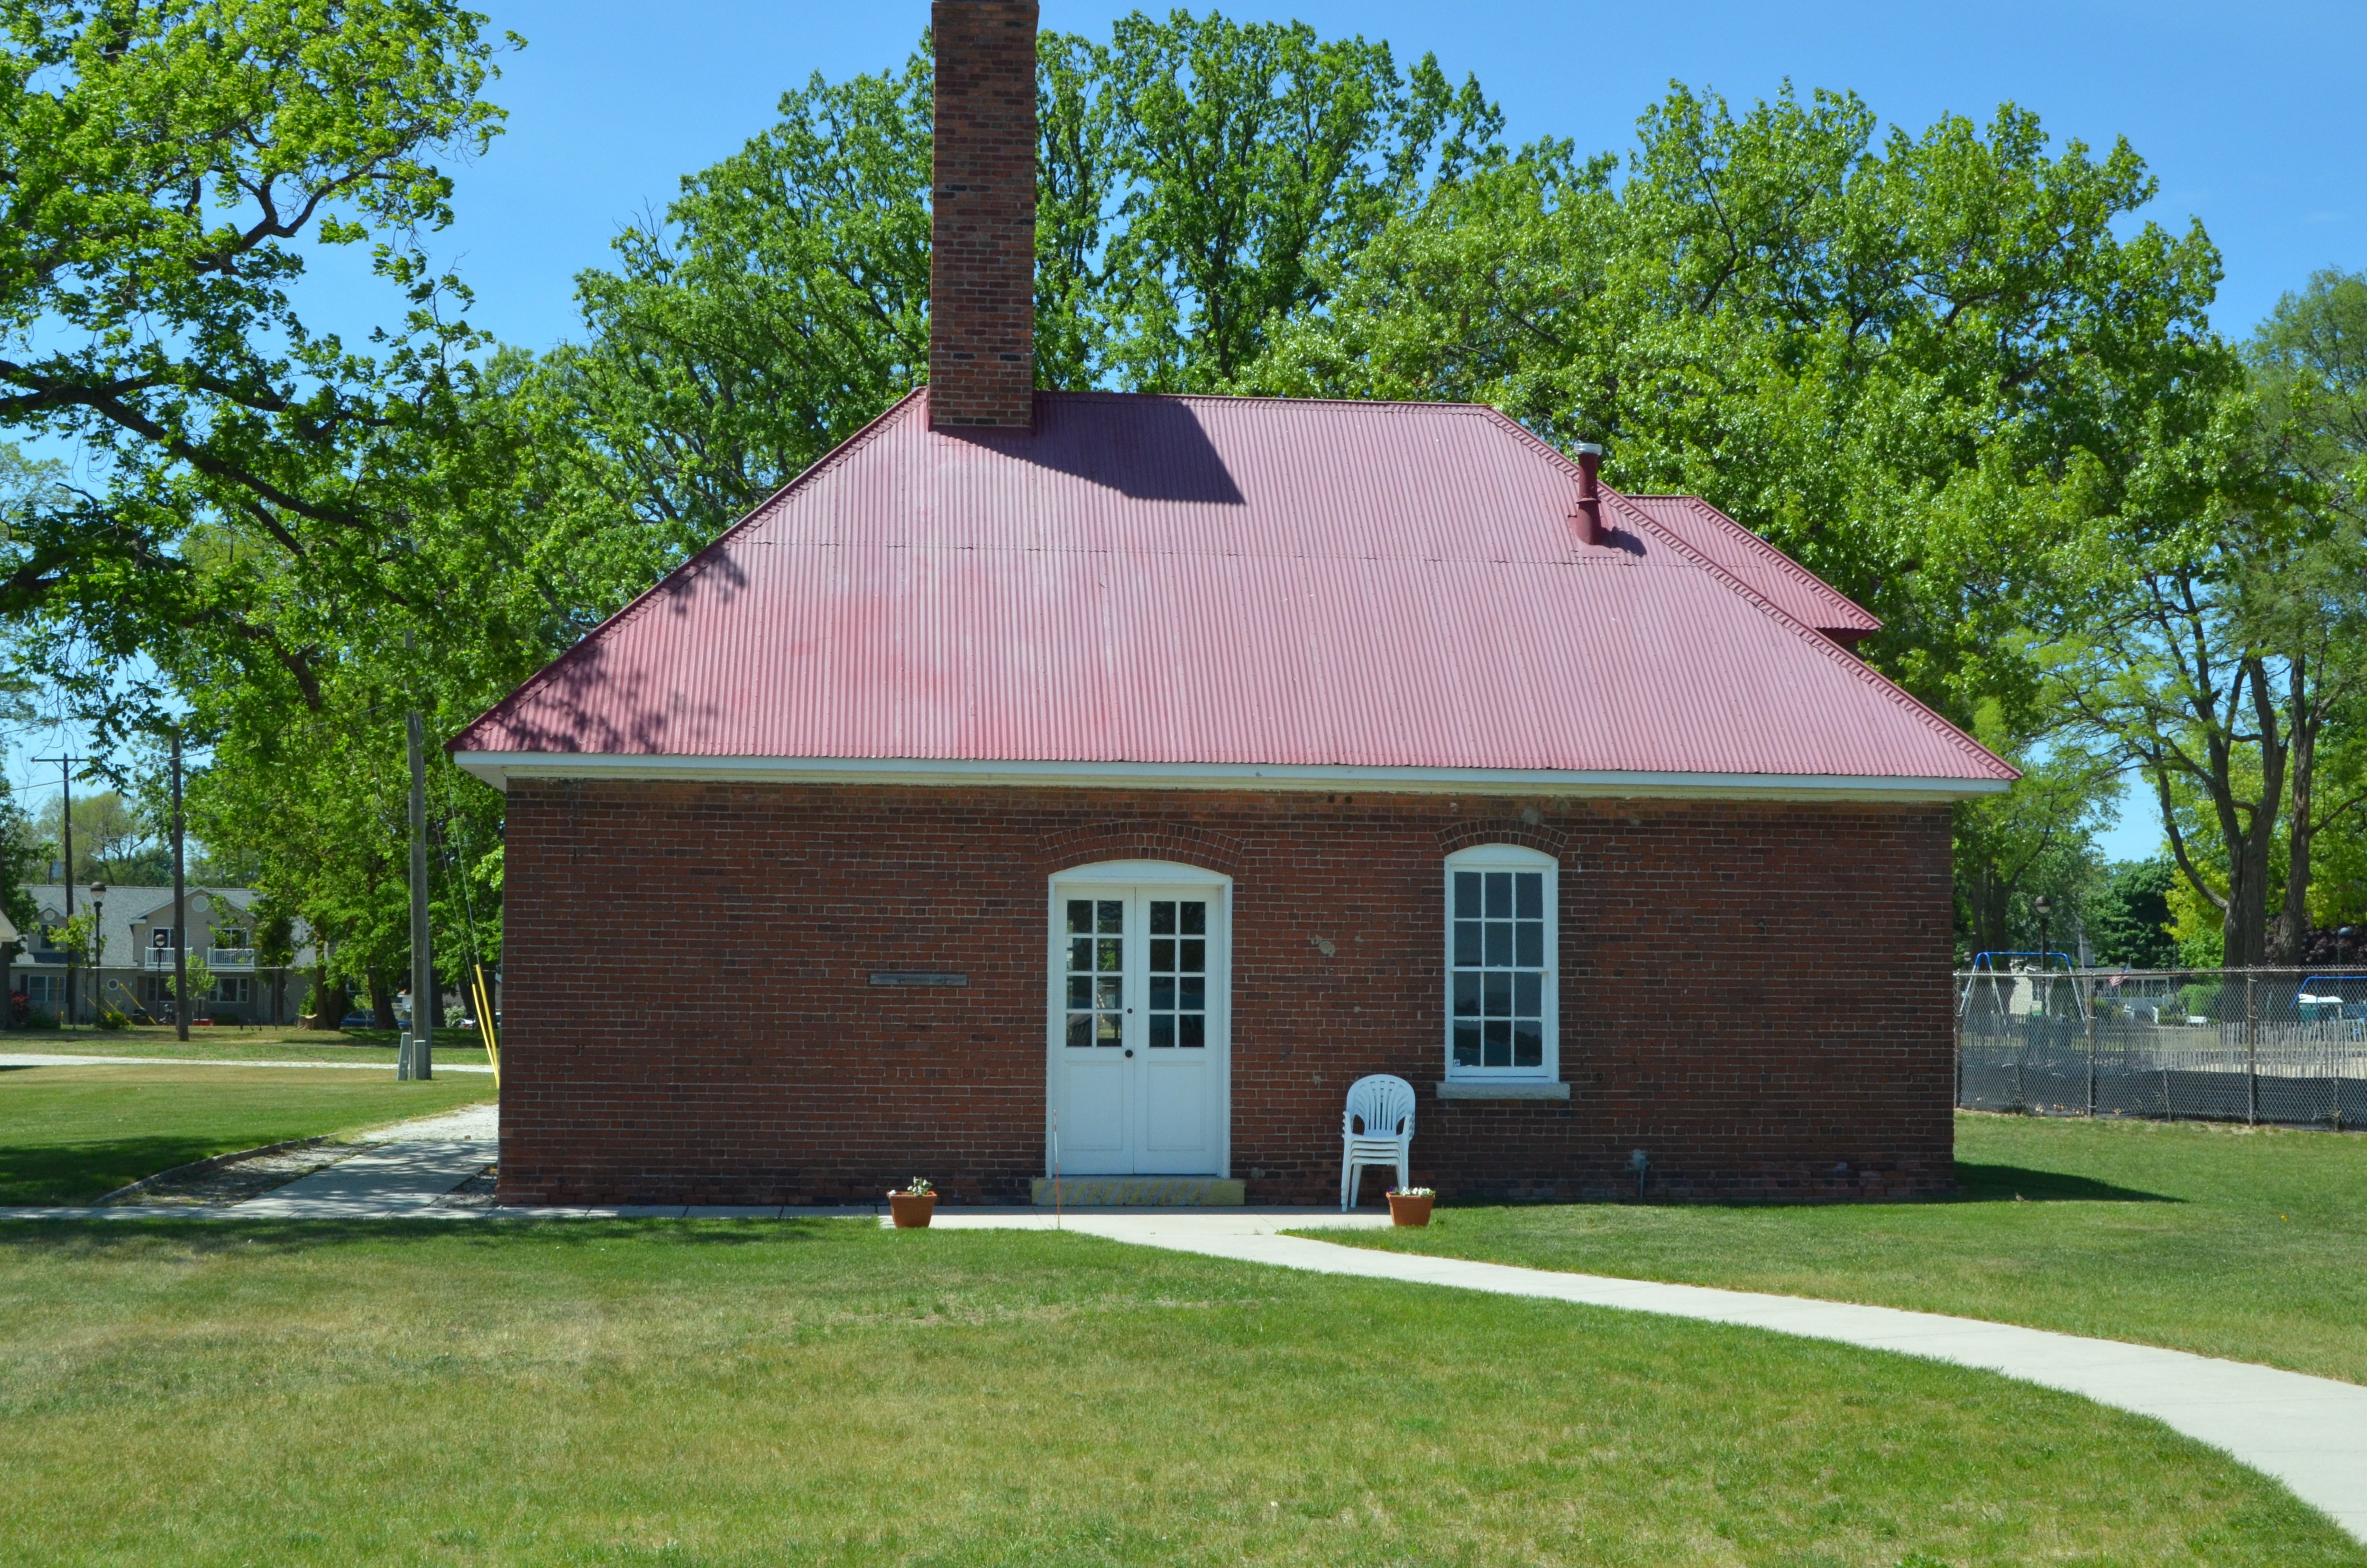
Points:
[(1408, 1210), (912, 1213)]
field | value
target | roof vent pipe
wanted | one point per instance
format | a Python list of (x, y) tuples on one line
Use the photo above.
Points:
[(1590, 497)]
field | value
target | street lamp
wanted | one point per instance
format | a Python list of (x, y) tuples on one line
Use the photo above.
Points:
[(98, 948), (2044, 907)]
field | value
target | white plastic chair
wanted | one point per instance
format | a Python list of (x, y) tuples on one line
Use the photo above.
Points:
[(1385, 1106)]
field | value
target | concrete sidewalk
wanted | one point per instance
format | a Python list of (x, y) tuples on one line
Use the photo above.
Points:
[(2310, 1433), (57, 1059)]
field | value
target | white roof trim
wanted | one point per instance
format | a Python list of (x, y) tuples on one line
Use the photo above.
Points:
[(498, 767)]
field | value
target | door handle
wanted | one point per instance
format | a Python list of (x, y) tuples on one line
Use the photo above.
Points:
[(1130, 1050)]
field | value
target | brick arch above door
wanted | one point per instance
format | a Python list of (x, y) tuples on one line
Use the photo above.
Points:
[(1140, 841)]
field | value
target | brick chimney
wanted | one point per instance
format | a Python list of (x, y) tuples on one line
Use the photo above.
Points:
[(982, 231)]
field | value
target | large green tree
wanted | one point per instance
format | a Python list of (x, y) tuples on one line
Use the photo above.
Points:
[(1917, 362), (1200, 180), (167, 167), (2306, 600)]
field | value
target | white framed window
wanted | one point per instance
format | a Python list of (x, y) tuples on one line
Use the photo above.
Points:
[(1502, 941), (234, 988)]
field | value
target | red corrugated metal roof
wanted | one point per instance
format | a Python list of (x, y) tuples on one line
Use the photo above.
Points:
[(1209, 579), (1776, 576)]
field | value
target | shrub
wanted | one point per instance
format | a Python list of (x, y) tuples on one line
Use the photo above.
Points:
[(40, 1019), (109, 1019)]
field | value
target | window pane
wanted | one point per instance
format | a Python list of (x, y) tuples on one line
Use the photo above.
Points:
[(1080, 991), (1195, 993), (1162, 918), (1080, 1030), (1498, 1038), (1162, 1030), (1109, 958), (1081, 954), (1529, 952), (1500, 895), (1500, 942), (1105, 993), (1109, 1030), (1194, 956), (1194, 1028), (1466, 895), (1467, 1045), (1162, 950), (1528, 992), (1110, 917), (1162, 993), (1195, 920), (1466, 941), (1528, 1044), (1080, 914), (1467, 995), (1530, 889), (1499, 996)]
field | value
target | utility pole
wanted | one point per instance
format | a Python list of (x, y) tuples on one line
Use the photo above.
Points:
[(65, 835), (180, 908), (422, 958)]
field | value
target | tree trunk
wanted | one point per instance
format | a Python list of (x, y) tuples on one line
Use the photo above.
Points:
[(330, 1003), (2247, 829), (2293, 921), (381, 996)]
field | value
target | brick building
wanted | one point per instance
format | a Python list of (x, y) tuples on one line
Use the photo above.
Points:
[(1137, 772)]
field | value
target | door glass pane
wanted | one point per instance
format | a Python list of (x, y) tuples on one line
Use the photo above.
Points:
[(1096, 973), (1179, 985)]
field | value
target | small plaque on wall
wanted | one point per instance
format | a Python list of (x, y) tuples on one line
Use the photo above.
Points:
[(917, 977)]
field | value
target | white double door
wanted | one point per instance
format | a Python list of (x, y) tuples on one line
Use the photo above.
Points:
[(1140, 1064)]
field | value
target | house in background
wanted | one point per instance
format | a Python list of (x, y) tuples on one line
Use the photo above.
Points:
[(137, 955), (1113, 779)]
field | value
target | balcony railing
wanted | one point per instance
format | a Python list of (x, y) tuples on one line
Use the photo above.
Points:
[(215, 958)]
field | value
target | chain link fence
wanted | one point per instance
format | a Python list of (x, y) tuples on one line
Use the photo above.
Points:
[(2282, 1046)]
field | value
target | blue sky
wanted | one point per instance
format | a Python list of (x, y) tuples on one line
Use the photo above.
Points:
[(2246, 115)]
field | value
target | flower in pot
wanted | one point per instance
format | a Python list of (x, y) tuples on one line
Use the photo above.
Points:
[(913, 1205), (1410, 1205)]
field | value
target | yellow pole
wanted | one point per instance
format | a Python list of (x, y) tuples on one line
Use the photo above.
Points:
[(485, 1025)]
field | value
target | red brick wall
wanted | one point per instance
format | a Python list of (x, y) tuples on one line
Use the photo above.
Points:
[(1755, 995), (983, 228)]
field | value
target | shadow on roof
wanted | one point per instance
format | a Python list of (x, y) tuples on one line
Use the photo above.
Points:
[(1144, 446)]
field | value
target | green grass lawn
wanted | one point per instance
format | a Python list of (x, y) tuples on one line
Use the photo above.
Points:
[(2250, 1245), (824, 1392), (68, 1134), (226, 1044)]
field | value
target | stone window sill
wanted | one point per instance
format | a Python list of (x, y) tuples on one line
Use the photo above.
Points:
[(1480, 1089)]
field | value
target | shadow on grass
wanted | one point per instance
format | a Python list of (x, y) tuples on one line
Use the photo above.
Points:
[(76, 1172), (2007, 1184), (27, 1239)]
